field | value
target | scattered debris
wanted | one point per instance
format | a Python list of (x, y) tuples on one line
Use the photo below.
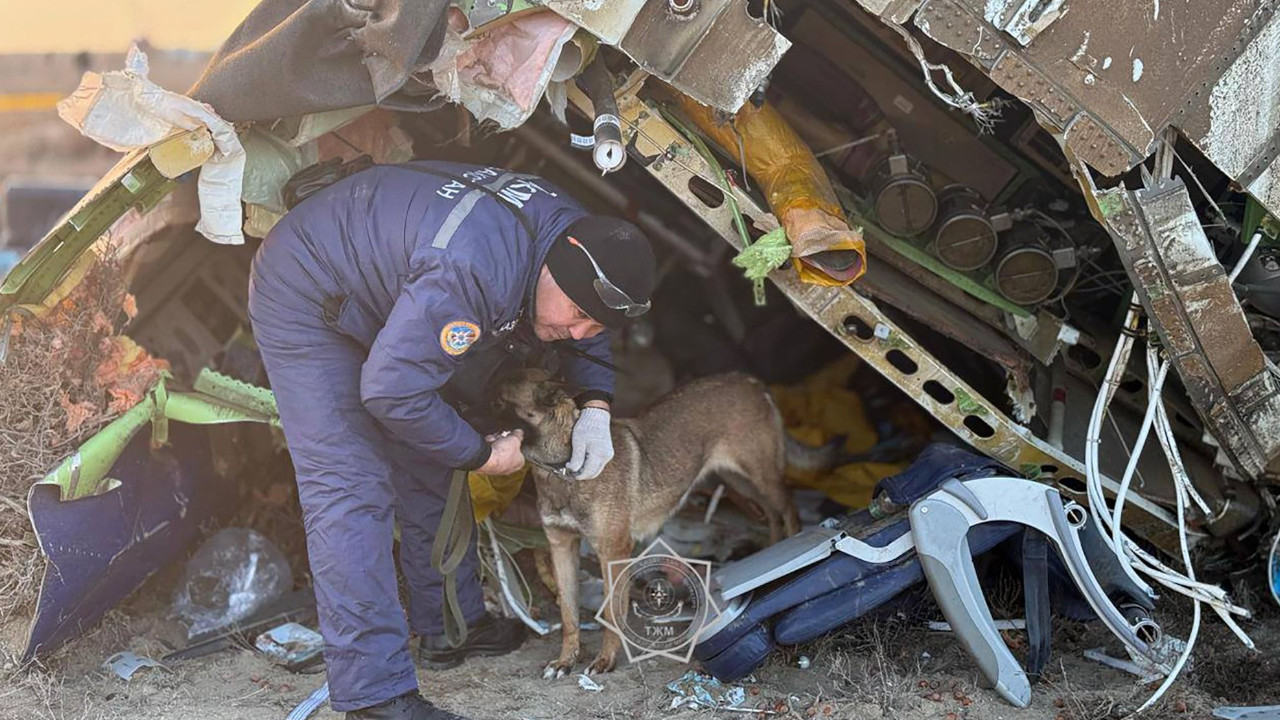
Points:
[(1164, 653), (125, 664), (307, 707), (1260, 712), (586, 683), (694, 690), (1001, 625), (292, 645), (297, 606), (233, 574)]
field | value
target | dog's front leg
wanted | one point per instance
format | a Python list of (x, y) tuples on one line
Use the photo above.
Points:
[(564, 563), (616, 547)]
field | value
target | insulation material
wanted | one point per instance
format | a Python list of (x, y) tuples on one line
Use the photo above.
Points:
[(270, 162), (795, 185), (124, 110), (376, 134), (501, 75), (821, 410), (274, 157)]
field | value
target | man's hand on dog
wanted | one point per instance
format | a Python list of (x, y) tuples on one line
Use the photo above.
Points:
[(592, 444), (505, 456)]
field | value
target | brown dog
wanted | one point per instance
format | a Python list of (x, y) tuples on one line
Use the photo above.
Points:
[(724, 424)]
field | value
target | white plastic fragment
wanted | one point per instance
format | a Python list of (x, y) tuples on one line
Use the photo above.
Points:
[(125, 664), (124, 110), (586, 683), (1001, 625)]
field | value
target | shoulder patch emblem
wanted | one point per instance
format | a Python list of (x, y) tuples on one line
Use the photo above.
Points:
[(458, 335)]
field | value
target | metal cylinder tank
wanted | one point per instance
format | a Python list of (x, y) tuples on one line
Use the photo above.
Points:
[(964, 238), (1026, 272), (905, 203)]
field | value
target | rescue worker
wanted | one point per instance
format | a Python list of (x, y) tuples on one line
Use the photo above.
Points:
[(378, 305)]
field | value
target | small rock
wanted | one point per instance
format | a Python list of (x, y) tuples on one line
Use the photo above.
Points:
[(1180, 706)]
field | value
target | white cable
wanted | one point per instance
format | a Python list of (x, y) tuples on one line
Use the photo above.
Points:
[(518, 608), (1108, 520), (1248, 253), (984, 114), (1093, 437), (1191, 574), (1117, 534)]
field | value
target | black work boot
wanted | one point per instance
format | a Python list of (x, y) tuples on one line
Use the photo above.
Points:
[(488, 637), (410, 706)]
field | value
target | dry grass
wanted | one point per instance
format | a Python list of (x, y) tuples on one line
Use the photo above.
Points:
[(65, 376), (872, 662)]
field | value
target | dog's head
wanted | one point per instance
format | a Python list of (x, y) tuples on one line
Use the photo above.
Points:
[(542, 407)]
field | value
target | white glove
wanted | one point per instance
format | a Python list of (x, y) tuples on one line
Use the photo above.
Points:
[(592, 444)]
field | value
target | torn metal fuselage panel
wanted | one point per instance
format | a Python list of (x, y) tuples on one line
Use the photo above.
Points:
[(101, 548), (711, 50), (1111, 76), (1189, 298), (123, 505)]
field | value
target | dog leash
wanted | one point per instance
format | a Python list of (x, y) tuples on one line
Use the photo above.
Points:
[(453, 538)]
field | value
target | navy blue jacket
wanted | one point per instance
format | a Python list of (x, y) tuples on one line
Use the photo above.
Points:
[(417, 269)]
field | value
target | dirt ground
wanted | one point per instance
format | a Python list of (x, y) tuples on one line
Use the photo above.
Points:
[(890, 667)]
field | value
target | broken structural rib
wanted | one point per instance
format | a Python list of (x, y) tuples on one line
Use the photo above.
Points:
[(1193, 308)]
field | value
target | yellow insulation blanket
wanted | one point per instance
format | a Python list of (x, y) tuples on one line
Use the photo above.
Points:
[(822, 409), (794, 184)]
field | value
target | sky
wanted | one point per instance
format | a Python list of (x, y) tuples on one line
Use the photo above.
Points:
[(110, 25)]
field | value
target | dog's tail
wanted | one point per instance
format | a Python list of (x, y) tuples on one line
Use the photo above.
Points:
[(780, 433)]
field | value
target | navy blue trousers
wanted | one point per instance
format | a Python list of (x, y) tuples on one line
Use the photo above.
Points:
[(355, 481)]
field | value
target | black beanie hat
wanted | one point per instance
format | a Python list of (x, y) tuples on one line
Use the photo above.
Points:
[(621, 251)]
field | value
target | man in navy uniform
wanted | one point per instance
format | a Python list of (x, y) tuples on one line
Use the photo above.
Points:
[(378, 304)]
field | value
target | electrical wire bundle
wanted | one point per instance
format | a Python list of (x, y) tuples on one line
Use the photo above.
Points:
[(1108, 520)]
